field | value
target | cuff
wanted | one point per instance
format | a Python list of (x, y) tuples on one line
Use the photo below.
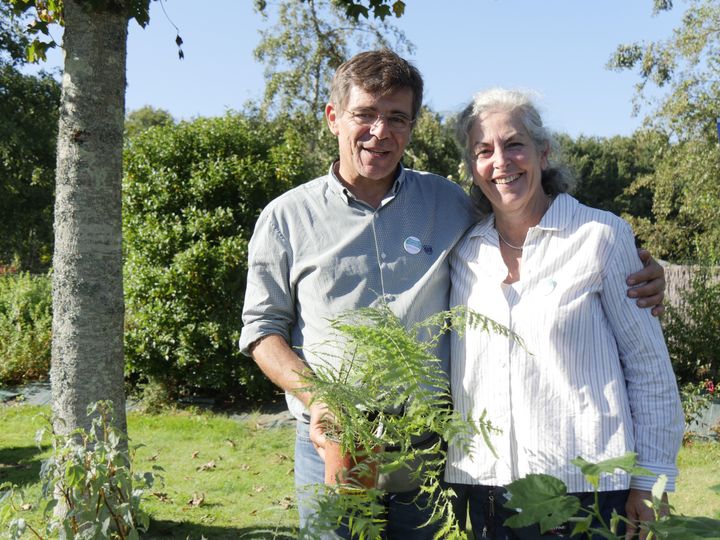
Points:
[(646, 482)]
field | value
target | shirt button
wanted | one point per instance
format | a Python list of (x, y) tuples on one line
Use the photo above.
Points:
[(382, 255)]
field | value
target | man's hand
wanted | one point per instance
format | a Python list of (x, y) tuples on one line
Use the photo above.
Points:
[(653, 291), (637, 509), (320, 418)]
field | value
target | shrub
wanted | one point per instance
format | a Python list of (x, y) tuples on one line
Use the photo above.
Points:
[(89, 489), (192, 194), (692, 331), (25, 327)]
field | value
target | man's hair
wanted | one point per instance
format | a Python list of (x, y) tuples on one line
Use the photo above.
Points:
[(379, 73), (555, 179)]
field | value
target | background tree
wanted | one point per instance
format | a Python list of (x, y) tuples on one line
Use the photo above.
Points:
[(685, 224), (28, 116), (88, 306), (605, 168), (308, 42), (432, 146), (146, 117), (28, 120), (13, 42)]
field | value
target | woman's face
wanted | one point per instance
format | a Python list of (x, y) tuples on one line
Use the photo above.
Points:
[(507, 166)]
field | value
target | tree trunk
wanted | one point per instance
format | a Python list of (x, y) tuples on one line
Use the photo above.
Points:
[(88, 305)]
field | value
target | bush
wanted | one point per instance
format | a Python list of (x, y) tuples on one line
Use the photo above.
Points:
[(692, 330), (89, 488), (192, 194), (25, 327)]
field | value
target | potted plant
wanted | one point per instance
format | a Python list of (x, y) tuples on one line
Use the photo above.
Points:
[(384, 388)]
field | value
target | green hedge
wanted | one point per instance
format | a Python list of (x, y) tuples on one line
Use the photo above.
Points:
[(25, 327), (192, 194)]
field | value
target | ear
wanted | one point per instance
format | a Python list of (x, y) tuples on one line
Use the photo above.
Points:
[(332, 117), (544, 155)]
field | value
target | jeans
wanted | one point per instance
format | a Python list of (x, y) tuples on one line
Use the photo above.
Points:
[(484, 505), (404, 514)]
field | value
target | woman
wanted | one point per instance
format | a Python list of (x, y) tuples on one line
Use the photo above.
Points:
[(595, 379)]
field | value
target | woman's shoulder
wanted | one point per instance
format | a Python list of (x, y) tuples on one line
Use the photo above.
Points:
[(596, 217)]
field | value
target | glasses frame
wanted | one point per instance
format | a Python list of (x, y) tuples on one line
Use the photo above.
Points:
[(370, 119)]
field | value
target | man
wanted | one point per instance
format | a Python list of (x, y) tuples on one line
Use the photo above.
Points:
[(368, 229)]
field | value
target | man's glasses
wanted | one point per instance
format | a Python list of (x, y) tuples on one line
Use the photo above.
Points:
[(397, 122)]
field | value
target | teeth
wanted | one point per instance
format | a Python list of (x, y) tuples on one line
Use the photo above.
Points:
[(507, 179)]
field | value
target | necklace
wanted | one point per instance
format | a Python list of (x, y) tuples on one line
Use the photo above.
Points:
[(506, 242), (520, 248)]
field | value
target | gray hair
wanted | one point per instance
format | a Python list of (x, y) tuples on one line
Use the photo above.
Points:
[(556, 178)]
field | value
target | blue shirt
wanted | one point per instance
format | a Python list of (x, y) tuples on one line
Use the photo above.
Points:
[(317, 252)]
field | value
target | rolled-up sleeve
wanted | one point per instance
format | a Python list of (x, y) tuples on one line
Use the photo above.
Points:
[(651, 384), (269, 306)]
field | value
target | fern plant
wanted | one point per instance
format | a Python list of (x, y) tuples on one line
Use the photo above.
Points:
[(385, 388)]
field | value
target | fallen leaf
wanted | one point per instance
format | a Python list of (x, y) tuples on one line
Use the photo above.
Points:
[(207, 466), (197, 499), (163, 497), (230, 442), (258, 489), (195, 454), (279, 458), (26, 506), (153, 457), (244, 467)]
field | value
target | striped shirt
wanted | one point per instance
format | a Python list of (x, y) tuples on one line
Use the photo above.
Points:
[(317, 252), (595, 379)]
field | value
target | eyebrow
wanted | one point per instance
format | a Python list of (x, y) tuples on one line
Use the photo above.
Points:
[(512, 136), (375, 110)]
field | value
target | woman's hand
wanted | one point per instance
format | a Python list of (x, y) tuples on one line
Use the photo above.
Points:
[(638, 508)]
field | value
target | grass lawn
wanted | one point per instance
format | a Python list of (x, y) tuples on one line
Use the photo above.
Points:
[(226, 479)]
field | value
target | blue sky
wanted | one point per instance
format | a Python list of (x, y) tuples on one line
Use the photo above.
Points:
[(558, 48)]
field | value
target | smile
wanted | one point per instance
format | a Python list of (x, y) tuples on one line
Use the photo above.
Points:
[(376, 152), (506, 180)]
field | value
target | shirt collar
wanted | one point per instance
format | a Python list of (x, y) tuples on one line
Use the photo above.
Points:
[(560, 213), (557, 217), (337, 186)]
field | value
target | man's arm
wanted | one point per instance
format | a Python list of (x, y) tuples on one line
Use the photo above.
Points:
[(288, 371), (652, 292)]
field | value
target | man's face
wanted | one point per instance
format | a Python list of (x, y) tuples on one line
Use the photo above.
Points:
[(370, 146)]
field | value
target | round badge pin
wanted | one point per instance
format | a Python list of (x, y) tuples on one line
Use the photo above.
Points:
[(412, 245), (546, 286)]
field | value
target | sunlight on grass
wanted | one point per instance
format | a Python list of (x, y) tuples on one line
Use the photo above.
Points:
[(698, 487)]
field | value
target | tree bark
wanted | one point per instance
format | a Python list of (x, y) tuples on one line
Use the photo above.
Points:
[(88, 304)]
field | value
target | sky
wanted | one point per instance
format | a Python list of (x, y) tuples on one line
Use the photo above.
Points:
[(556, 48)]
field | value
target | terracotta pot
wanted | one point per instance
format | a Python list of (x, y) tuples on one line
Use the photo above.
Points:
[(342, 469)]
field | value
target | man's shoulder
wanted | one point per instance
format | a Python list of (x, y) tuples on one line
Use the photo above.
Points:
[(427, 181), (298, 196)]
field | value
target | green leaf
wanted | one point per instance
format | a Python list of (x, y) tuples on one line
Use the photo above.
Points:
[(542, 499), (659, 487), (592, 471), (686, 528)]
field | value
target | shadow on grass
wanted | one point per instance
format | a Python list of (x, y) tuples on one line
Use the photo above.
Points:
[(193, 531), (20, 465)]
